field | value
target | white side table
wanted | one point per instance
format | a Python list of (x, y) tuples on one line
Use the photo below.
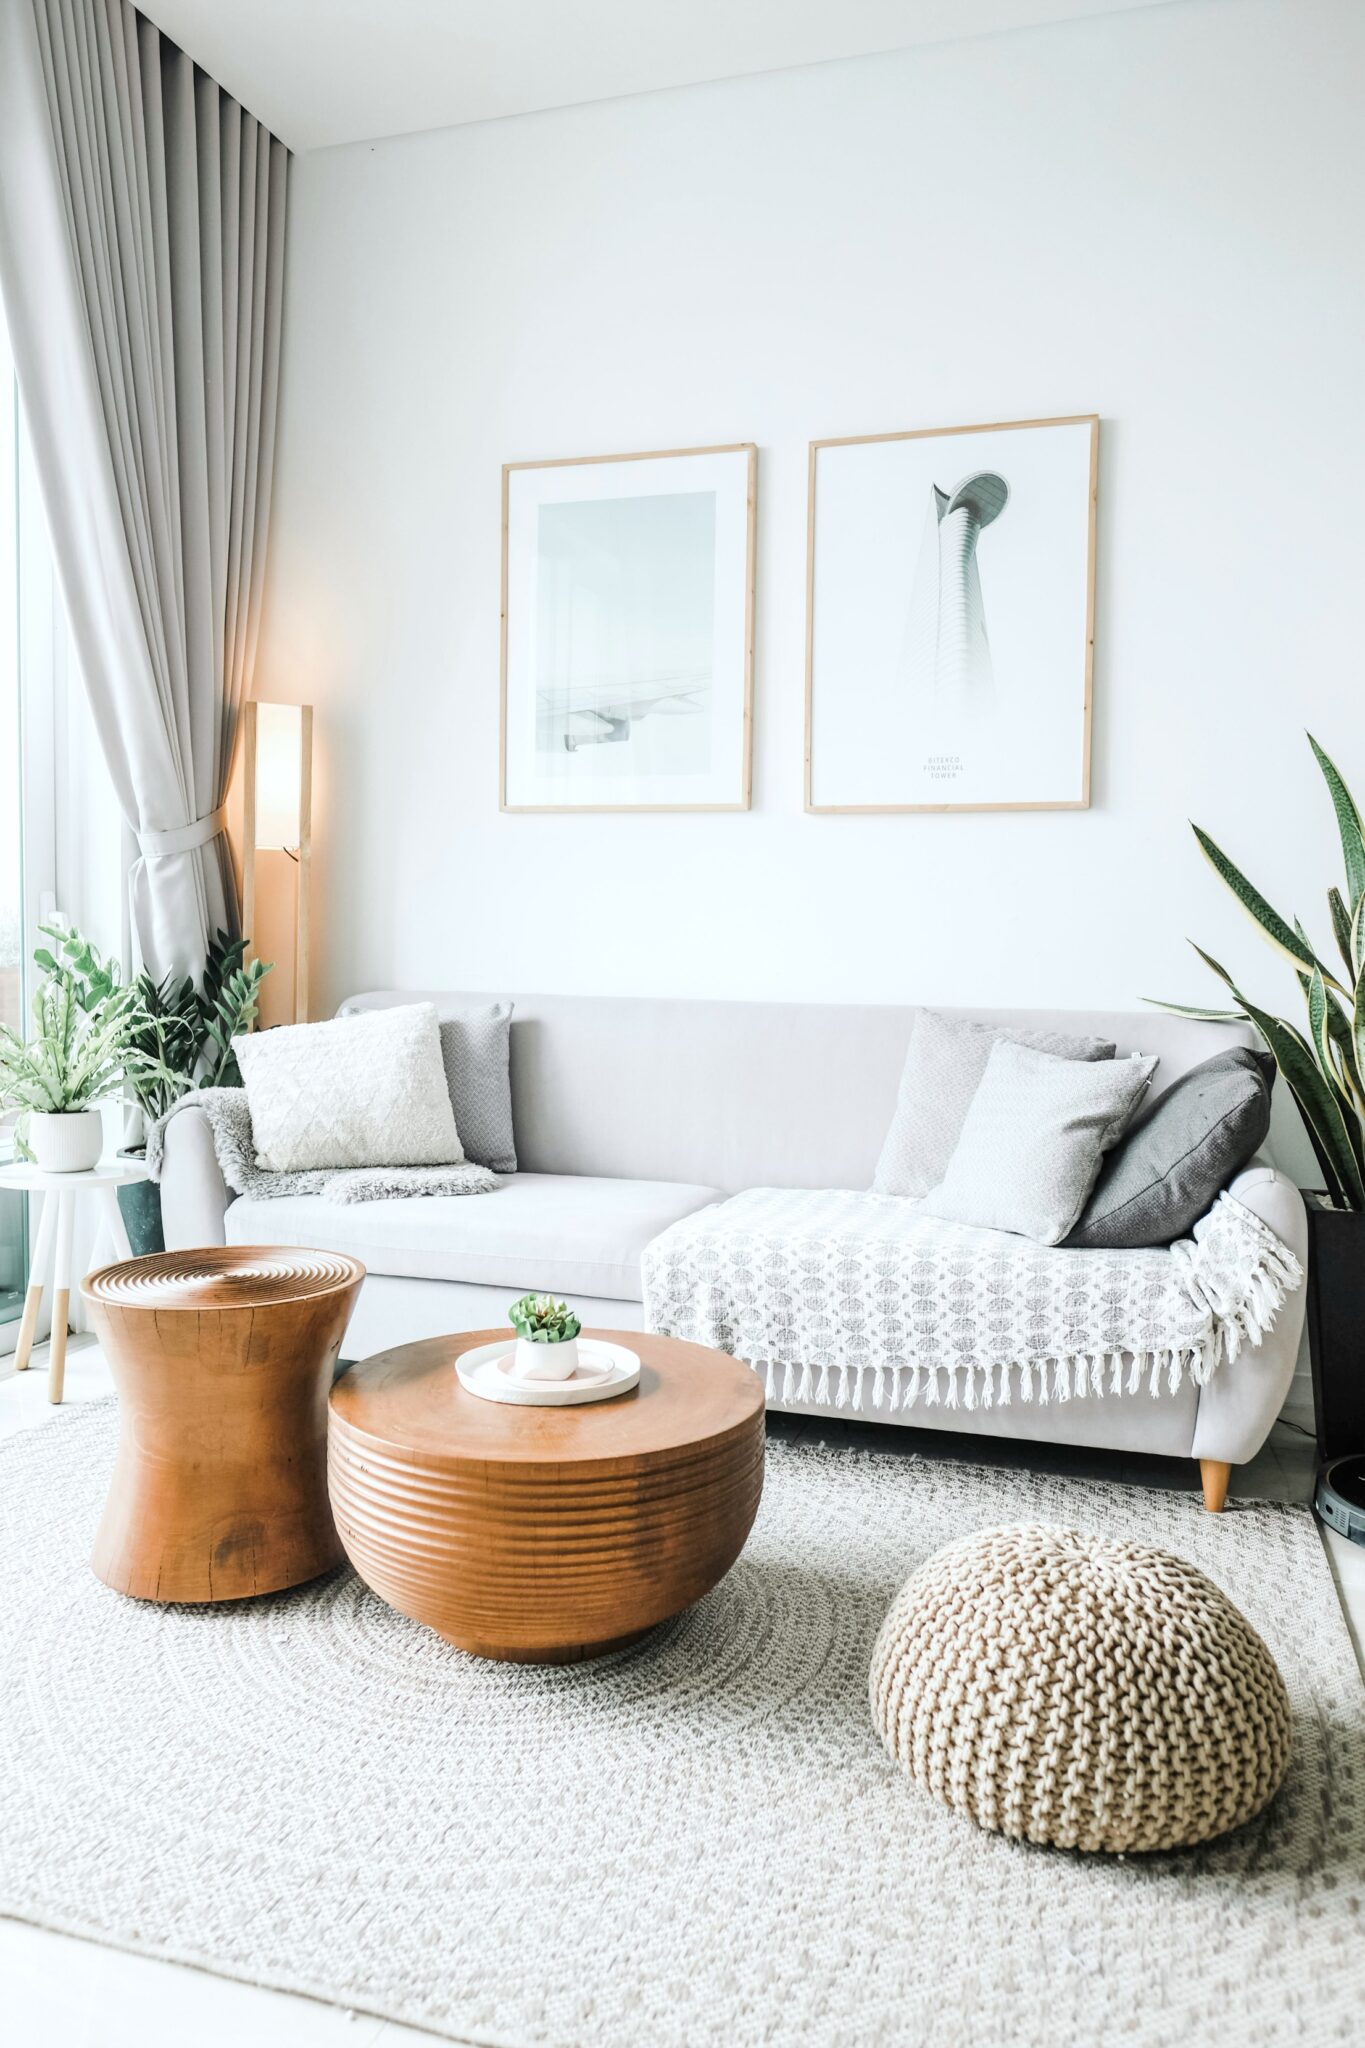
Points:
[(52, 1250)]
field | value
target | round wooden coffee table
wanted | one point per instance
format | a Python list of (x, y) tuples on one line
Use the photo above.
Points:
[(542, 1535), (223, 1361)]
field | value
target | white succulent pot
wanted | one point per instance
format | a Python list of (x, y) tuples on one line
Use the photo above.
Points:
[(66, 1141), (546, 1361)]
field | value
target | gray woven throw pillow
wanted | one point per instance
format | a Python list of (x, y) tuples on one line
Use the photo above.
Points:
[(475, 1046), (1168, 1170), (942, 1072), (1033, 1139)]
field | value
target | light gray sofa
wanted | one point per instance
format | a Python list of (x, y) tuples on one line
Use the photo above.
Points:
[(631, 1113)]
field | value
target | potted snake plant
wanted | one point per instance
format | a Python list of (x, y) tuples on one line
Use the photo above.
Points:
[(1324, 1067)]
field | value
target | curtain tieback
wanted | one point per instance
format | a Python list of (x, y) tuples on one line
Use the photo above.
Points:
[(183, 838)]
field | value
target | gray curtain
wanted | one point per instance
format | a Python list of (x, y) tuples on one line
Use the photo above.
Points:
[(142, 222)]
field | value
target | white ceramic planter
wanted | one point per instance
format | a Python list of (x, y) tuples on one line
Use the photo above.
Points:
[(546, 1361), (68, 1142)]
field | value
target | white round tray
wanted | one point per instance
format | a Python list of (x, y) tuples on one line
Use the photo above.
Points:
[(603, 1370)]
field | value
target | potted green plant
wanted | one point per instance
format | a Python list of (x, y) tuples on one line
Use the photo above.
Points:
[(547, 1338), (186, 1033), (80, 1054), (1324, 1067)]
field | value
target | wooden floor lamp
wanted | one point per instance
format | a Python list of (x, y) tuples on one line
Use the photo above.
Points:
[(277, 803)]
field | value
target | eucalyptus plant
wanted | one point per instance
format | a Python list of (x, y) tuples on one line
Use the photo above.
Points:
[(81, 1051), (1324, 1066), (540, 1319), (188, 1031)]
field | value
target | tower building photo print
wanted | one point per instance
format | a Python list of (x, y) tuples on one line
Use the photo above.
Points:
[(950, 595)]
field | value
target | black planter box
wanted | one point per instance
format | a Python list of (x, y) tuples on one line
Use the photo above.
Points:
[(1336, 1326)]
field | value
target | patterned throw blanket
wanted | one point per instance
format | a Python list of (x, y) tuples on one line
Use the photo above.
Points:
[(229, 1120), (833, 1294)]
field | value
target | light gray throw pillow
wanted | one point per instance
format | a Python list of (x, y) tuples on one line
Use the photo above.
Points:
[(353, 1091), (475, 1047), (1168, 1170), (1033, 1139), (943, 1068)]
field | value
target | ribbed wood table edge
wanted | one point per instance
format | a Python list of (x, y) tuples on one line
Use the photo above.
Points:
[(228, 1278), (544, 1534)]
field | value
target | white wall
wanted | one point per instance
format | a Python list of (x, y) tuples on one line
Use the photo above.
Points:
[(1154, 216)]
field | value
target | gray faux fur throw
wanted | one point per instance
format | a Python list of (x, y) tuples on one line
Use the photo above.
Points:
[(229, 1119)]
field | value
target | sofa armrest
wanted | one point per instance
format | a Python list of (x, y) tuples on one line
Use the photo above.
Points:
[(194, 1196), (1238, 1407)]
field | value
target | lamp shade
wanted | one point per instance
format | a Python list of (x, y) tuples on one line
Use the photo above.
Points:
[(277, 850), (279, 774)]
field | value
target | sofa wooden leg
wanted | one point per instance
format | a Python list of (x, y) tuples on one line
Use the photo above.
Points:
[(1214, 1475)]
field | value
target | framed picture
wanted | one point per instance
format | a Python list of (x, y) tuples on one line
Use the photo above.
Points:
[(627, 631), (950, 598)]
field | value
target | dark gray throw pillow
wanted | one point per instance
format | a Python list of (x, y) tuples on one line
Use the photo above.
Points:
[(1166, 1172), (474, 1052)]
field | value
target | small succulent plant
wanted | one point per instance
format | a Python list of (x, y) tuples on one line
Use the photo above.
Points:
[(540, 1319)]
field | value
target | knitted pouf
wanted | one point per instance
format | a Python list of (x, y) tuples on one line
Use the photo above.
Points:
[(1080, 1692)]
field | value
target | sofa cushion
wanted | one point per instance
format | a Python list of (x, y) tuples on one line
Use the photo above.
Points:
[(1169, 1168), (1033, 1140), (561, 1234), (943, 1068), (368, 1091), (474, 1052)]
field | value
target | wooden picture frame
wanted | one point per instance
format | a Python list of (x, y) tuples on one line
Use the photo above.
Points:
[(1083, 710), (742, 601)]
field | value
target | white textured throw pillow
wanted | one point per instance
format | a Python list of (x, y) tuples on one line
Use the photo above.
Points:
[(943, 1067), (357, 1091), (1034, 1138)]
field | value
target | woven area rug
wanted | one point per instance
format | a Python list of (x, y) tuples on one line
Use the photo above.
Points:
[(698, 1841)]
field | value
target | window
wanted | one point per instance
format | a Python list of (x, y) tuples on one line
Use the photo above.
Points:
[(11, 833), (13, 1217), (63, 847)]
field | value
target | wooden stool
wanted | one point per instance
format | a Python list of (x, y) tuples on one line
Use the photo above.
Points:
[(62, 1193), (223, 1363)]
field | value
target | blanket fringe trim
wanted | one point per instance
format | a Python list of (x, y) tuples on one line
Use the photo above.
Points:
[(972, 1383)]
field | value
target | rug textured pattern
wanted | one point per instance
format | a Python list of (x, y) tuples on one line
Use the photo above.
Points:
[(697, 1841)]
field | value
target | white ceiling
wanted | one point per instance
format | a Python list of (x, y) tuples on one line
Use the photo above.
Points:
[(327, 71)]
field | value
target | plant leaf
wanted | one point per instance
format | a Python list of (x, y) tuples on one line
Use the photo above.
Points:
[(1348, 823), (1194, 1010), (1217, 968), (1319, 1026), (1339, 1030), (1273, 926), (1321, 1111), (1318, 1099), (1341, 928)]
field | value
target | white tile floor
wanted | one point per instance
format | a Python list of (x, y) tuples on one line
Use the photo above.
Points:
[(56, 1992)]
